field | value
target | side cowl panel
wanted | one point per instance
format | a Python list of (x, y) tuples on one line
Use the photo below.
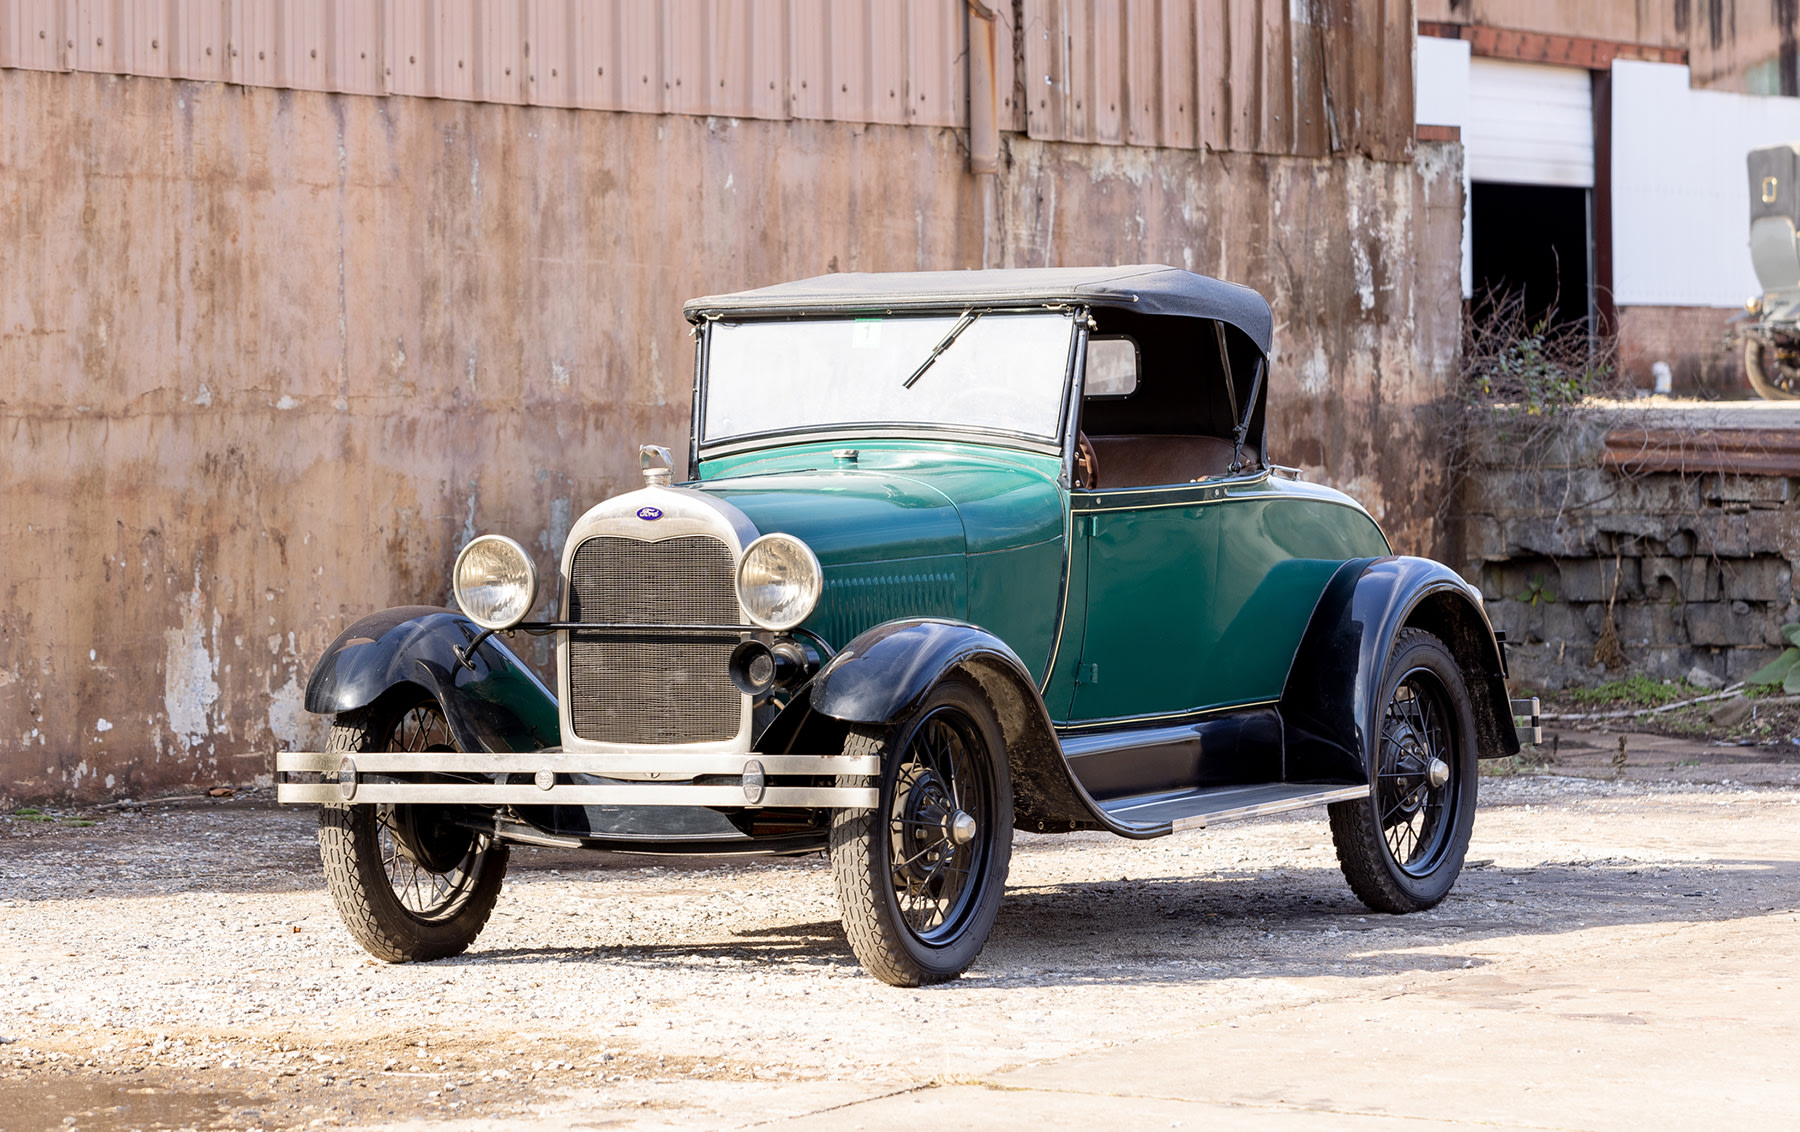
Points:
[(1330, 705), (497, 705), (883, 674)]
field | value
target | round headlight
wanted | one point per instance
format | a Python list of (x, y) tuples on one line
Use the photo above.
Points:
[(778, 582), (495, 582)]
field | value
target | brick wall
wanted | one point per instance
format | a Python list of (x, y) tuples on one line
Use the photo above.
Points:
[(1695, 341)]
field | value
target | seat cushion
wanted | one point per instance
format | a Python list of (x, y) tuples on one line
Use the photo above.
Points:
[(1145, 460)]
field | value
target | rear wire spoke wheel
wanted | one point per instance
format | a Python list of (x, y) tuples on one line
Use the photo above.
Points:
[(409, 884), (1402, 847), (919, 878)]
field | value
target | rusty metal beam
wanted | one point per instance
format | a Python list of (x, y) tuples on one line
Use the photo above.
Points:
[(1538, 47), (1752, 452)]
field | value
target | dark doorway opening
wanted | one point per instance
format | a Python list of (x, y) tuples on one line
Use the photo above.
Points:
[(1532, 239)]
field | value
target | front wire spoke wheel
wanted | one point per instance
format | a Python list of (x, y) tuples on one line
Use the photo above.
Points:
[(1402, 847), (931, 867), (432, 871), (919, 878), (411, 882)]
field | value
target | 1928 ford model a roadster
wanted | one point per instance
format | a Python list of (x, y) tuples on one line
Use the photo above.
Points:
[(957, 553)]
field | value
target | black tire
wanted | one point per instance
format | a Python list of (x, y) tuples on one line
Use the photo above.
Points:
[(1772, 380), (1402, 847), (925, 918), (408, 885)]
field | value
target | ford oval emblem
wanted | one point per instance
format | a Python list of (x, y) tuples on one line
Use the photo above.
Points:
[(649, 514)]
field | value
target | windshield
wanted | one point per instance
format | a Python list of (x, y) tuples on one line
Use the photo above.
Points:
[(1003, 372)]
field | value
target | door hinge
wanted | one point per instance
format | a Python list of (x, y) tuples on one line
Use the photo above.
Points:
[(1087, 673)]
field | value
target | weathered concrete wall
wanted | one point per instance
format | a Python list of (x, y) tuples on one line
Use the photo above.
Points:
[(1631, 508), (267, 358)]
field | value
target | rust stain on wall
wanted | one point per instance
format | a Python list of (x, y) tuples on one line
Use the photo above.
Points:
[(271, 356)]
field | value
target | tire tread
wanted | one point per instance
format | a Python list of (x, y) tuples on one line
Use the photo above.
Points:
[(354, 876), (875, 933), (872, 932)]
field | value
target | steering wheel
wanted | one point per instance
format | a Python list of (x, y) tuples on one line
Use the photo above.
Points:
[(1087, 462)]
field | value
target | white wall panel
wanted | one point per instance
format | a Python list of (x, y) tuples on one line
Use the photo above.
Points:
[(1441, 98), (1681, 197), (1530, 124), (1441, 82)]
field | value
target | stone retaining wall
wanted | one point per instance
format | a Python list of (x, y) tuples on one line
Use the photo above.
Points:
[(1683, 521)]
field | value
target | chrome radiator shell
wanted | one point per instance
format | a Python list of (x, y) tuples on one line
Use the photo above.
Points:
[(660, 555)]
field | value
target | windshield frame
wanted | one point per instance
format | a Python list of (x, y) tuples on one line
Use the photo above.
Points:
[(1055, 445)]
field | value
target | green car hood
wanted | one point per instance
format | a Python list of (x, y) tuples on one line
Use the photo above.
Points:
[(907, 529), (849, 516)]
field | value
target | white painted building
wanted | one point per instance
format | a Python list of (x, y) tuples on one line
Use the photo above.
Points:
[(1669, 157), (1680, 210)]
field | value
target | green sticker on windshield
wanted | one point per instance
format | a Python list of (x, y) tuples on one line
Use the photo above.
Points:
[(865, 334)]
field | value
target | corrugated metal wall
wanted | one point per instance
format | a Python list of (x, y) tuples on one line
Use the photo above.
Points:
[(1306, 77), (899, 61), (1303, 77)]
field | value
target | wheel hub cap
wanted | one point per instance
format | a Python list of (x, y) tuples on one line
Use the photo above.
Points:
[(962, 828), (1437, 773)]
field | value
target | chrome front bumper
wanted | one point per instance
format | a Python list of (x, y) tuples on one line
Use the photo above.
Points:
[(360, 777)]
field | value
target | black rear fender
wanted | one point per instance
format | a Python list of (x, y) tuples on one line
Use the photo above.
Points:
[(1330, 706), (493, 703)]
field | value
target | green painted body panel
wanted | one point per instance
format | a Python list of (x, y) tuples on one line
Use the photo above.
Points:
[(915, 529), (1197, 596), (1177, 600)]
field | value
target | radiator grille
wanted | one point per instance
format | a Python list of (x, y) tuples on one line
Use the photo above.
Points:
[(645, 688)]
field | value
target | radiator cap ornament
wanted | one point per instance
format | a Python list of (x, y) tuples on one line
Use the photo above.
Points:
[(658, 466)]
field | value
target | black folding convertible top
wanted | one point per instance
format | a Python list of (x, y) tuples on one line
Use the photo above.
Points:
[(1148, 288)]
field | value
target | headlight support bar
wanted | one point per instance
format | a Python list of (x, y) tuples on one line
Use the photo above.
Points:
[(541, 627)]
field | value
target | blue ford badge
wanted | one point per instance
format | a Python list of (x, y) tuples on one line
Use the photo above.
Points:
[(649, 514)]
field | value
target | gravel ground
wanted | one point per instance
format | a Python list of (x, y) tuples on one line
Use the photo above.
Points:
[(182, 966)]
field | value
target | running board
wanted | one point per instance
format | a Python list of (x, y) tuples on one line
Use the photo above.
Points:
[(1197, 809)]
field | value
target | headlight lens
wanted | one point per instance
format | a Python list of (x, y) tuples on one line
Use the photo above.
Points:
[(778, 582), (495, 582)]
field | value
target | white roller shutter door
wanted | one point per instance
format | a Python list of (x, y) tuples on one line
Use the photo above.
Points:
[(1529, 124)]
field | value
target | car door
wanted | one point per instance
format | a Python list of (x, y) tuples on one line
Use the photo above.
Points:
[(1197, 595), (1150, 556)]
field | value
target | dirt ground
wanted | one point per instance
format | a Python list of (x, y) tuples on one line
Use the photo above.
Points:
[(1620, 953)]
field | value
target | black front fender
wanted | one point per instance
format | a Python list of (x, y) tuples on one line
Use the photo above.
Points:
[(881, 676), (494, 703), (1331, 707)]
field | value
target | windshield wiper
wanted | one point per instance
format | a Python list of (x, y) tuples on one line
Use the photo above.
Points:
[(967, 320)]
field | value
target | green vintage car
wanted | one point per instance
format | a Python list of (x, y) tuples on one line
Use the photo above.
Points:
[(955, 553)]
